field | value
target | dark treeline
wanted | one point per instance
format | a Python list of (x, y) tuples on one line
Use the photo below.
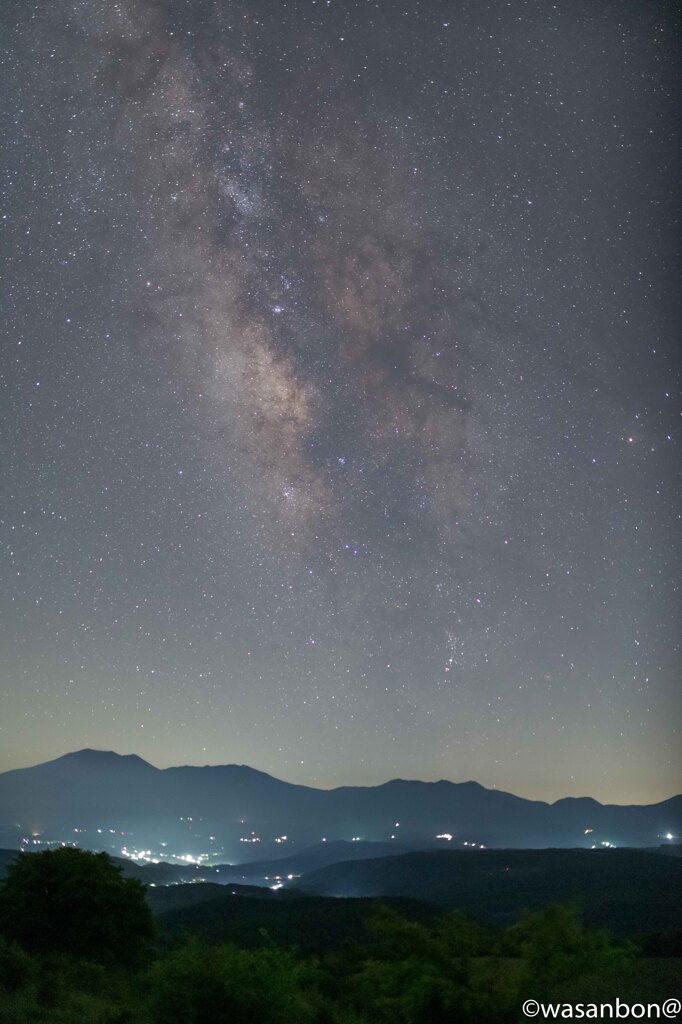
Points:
[(78, 943)]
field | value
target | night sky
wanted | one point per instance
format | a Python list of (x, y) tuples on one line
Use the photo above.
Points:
[(340, 389)]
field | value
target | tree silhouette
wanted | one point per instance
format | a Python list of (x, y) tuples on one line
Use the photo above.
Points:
[(75, 902), (201, 984), (556, 947)]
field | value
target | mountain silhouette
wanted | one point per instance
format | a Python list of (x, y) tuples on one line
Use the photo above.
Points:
[(235, 813)]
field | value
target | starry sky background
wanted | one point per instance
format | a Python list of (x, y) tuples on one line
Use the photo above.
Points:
[(340, 389)]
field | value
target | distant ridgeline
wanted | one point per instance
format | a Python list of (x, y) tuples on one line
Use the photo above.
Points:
[(203, 815)]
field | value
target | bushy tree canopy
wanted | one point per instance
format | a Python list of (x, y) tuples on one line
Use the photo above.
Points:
[(75, 902), (225, 985)]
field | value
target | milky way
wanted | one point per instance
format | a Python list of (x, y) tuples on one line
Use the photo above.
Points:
[(341, 391)]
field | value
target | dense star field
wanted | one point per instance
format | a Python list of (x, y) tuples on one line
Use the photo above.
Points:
[(341, 389)]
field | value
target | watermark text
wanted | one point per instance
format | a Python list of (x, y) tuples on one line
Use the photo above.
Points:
[(669, 1009)]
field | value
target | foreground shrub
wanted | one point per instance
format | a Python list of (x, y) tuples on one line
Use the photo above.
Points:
[(16, 967), (223, 985), (556, 947)]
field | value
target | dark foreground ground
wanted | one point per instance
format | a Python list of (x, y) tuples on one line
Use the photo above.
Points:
[(489, 935)]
